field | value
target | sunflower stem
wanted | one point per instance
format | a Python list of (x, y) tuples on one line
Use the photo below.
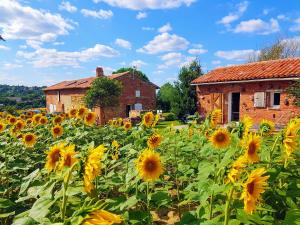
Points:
[(65, 197), (148, 199), (210, 205), (227, 207), (272, 150)]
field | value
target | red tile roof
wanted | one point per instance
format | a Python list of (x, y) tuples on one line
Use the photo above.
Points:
[(83, 83), (282, 68)]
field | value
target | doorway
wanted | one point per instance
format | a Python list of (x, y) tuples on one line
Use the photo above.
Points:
[(128, 108), (235, 106)]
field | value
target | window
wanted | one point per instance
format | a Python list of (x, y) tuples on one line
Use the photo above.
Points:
[(259, 99), (137, 93), (58, 96), (275, 99), (138, 106)]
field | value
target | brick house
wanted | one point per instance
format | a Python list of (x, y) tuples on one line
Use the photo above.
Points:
[(255, 89), (136, 94)]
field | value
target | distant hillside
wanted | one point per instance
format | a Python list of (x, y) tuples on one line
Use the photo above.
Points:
[(21, 97)]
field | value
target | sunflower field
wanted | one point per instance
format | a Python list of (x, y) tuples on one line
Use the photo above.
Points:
[(64, 169)]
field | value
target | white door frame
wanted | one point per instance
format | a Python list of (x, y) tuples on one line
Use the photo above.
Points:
[(229, 106)]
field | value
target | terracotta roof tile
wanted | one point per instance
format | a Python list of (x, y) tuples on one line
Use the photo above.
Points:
[(282, 68)]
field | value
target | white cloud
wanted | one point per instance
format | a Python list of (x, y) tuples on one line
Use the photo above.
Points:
[(2, 47), (171, 59), (34, 44), (165, 42), (42, 57), (296, 26), (147, 4), (23, 22), (67, 6), (123, 43), (141, 15), (216, 62), (233, 16), (23, 46), (282, 17), (107, 70), (58, 43), (257, 26), (9, 66), (138, 63), (165, 28), (197, 51), (238, 55), (148, 28), (100, 14)]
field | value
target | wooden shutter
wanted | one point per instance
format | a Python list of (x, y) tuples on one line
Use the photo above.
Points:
[(260, 99), (217, 102)]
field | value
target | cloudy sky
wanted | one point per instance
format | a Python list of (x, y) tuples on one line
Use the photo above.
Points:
[(53, 40)]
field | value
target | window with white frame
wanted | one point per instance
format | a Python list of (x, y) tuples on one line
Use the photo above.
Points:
[(137, 93), (259, 99), (275, 99)]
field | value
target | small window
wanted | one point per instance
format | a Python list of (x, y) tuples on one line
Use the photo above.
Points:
[(137, 93), (275, 99), (259, 99), (138, 106)]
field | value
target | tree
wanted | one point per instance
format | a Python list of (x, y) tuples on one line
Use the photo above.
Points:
[(185, 95), (294, 91), (165, 97), (281, 49), (132, 70), (104, 92)]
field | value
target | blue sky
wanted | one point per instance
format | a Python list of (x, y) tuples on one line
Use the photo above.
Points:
[(53, 40)]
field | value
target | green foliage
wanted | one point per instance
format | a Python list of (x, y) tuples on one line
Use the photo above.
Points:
[(169, 116), (21, 97), (185, 98), (104, 92), (165, 97), (294, 92), (132, 70)]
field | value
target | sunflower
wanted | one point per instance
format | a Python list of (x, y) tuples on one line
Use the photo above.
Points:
[(92, 167), (154, 141), (215, 117), (57, 120), (291, 137), (90, 118), (53, 156), (127, 125), (43, 120), (266, 127), (149, 165), (29, 140), (19, 125), (36, 118), (57, 131), (68, 156), (102, 217), (220, 138), (23, 117), (115, 144), (156, 119), (236, 169), (253, 188), (29, 121), (2, 127), (29, 114), (148, 119), (81, 112), (12, 120), (72, 113), (251, 144), (246, 124)]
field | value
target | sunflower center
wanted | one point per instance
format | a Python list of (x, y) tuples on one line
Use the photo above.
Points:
[(68, 161), (28, 138), (150, 166), (252, 148), (55, 156), (250, 187), (220, 137), (56, 130), (89, 117)]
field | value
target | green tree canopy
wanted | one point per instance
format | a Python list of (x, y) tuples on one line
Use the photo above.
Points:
[(294, 91), (132, 70), (165, 97), (104, 92)]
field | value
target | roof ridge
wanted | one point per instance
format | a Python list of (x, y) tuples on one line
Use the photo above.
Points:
[(259, 62)]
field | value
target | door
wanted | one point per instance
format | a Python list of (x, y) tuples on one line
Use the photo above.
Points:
[(128, 108), (217, 102), (235, 106)]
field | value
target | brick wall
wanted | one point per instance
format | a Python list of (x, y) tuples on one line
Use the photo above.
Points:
[(70, 97), (247, 90)]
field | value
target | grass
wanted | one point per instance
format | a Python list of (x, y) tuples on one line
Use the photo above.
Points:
[(165, 124)]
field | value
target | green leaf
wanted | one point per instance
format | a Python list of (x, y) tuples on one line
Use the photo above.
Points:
[(4, 215), (292, 217), (40, 208), (5, 203)]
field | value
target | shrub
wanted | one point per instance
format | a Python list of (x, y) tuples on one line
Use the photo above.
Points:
[(169, 116)]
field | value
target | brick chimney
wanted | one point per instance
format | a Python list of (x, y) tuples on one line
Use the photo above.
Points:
[(99, 72)]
